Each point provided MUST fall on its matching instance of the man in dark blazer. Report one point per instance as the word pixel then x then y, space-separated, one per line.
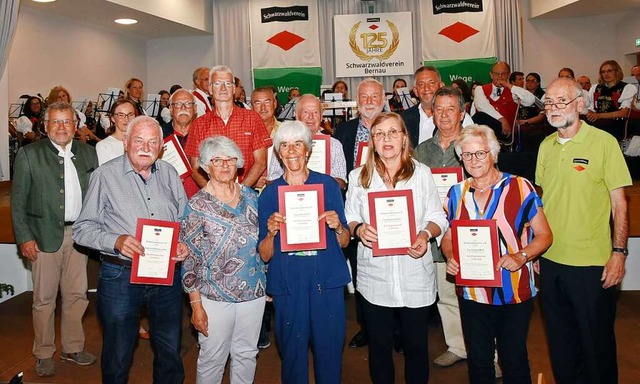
pixel 50 180
pixel 351 133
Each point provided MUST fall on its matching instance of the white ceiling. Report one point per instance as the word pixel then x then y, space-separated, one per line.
pixel 102 13
pixel 582 8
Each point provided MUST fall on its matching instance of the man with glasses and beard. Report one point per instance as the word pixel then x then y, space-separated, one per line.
pixel 583 175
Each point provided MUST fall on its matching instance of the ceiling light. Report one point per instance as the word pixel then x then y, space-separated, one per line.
pixel 44 1
pixel 126 21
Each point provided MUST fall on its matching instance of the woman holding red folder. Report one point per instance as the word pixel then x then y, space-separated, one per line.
pixel 497 314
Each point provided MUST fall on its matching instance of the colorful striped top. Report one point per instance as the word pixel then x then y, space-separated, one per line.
pixel 512 203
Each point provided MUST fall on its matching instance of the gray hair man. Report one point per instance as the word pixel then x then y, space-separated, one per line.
pixel 50 180
pixel 108 223
pixel 583 175
pixel 201 91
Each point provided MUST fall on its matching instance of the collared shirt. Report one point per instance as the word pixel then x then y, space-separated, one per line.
pixel 427 126
pixel 118 196
pixel 577 179
pixel 430 153
pixel 397 281
pixel 72 191
pixel 482 104
pixel 244 127
pixel 225 267
pixel 338 163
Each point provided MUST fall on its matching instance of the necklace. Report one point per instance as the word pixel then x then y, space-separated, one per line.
pixel 486 186
pixel 233 196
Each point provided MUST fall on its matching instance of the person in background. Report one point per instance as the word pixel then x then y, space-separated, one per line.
pixel 577 167
pixel 29 121
pixel 611 99
pixel 263 102
pixel 83 133
pixel 385 281
pixel 395 102
pixel 121 113
pixel 182 105
pixel 585 82
pixel 108 223
pixel 307 286
pixel 533 84
pixel 164 115
pixel 517 78
pixel 294 93
pixel 341 87
pixel 42 223
pixel 202 91
pixel 497 317
pixel 227 307
pixel 133 92
pixel 466 93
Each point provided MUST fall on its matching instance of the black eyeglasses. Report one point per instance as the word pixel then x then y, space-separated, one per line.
pixel 186 104
pixel 548 104
pixel 217 162
pixel 480 155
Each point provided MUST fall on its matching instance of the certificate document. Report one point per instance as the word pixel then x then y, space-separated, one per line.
pixel 391 214
pixel 363 151
pixel 475 248
pixel 160 240
pixel 445 178
pixel 173 154
pixel 301 205
pixel 320 159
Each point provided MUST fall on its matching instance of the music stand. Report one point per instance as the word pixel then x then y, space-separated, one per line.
pixel 152 105
pixel 106 100
pixel 15 109
pixel 405 98
pixel 289 110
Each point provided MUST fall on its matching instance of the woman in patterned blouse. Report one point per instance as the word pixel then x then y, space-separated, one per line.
pixel 223 274
pixel 501 314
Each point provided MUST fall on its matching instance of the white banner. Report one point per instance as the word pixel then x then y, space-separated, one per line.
pixel 284 35
pixel 454 29
pixel 373 44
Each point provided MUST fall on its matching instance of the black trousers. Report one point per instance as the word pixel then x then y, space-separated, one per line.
pixel 579 315
pixel 351 253
pixel 415 335
pixel 482 118
pixel 486 327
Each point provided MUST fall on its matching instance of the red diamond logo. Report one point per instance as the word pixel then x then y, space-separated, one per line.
pixel 373 27
pixel 458 32
pixel 579 168
pixel 285 40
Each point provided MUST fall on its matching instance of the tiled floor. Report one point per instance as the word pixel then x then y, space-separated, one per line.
pixel 16 337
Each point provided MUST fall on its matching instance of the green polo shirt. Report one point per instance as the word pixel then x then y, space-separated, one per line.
pixel 430 153
pixel 576 179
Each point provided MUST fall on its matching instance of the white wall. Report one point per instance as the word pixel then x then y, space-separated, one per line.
pixel 49 50
pixel 579 43
pixel 628 30
pixel 173 60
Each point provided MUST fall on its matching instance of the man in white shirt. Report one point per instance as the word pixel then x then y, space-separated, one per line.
pixel 497 103
pixel 419 118
pixel 201 90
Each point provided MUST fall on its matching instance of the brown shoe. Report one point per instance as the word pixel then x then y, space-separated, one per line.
pixel 80 358
pixel 447 359
pixel 45 367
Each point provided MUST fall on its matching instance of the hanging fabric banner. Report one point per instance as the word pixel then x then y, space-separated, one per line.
pixel 284 38
pixel 373 44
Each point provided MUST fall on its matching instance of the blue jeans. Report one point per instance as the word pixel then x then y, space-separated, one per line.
pixel 119 304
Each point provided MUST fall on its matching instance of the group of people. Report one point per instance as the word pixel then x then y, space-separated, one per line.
pixel 230 259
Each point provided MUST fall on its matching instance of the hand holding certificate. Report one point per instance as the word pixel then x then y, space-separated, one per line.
pixel 475 249
pixel 392 216
pixel 160 241
pixel 445 178
pixel 301 207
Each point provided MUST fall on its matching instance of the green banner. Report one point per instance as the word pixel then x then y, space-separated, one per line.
pixel 306 79
pixel 469 70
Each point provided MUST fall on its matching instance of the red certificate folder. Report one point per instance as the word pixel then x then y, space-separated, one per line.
pixel 361 158
pixel 178 159
pixel 457 172
pixel 167 232
pixel 302 200
pixel 403 201
pixel 326 139
pixel 476 241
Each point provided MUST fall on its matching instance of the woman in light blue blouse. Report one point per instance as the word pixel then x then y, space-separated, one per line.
pixel 223 274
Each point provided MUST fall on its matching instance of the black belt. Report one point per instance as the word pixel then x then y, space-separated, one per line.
pixel 116 260
pixel 68 223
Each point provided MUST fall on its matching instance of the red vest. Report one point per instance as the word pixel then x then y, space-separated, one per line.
pixel 505 104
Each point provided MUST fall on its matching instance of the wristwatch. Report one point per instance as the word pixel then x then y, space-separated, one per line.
pixel 526 257
pixel 624 251
pixel 339 230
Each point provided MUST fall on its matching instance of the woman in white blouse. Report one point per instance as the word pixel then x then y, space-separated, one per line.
pixel 403 283
pixel 121 112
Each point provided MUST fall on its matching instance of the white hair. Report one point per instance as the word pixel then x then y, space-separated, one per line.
pixel 482 132
pixel 218 146
pixel 146 120
pixel 293 131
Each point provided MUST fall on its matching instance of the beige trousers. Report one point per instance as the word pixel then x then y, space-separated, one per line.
pixel 449 312
pixel 67 269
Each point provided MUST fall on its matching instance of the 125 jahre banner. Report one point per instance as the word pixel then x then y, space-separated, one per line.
pixel 378 44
